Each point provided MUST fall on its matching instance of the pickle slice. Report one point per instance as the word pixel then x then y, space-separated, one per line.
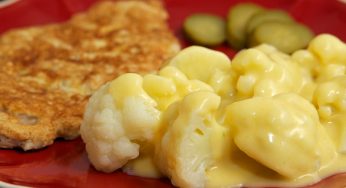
pixel 205 29
pixel 237 19
pixel 265 16
pixel 287 37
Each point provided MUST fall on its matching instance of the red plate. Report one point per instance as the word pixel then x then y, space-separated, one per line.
pixel 65 163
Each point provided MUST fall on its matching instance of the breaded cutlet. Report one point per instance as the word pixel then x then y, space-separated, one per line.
pixel 47 73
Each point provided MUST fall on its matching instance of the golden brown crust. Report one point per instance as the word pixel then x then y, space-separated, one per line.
pixel 47 73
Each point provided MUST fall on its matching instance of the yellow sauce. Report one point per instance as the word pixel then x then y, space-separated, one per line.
pixel 264 119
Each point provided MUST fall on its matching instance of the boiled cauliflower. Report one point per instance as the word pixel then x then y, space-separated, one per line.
pixel 116 120
pixel 204 121
pixel 328 49
pixel 330 101
pixel 208 66
pixel 272 129
pixel 264 71
pixel 186 148
pixel 324 58
pixel 123 116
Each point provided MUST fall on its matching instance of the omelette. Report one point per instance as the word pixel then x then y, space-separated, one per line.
pixel 47 73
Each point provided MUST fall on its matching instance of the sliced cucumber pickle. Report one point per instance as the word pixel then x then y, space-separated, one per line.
pixel 237 19
pixel 287 37
pixel 265 16
pixel 205 29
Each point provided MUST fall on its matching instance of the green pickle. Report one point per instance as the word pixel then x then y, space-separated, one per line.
pixel 287 37
pixel 237 19
pixel 205 29
pixel 265 16
pixel 248 25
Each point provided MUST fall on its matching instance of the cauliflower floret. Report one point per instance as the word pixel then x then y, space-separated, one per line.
pixel 122 118
pixel 171 85
pixel 106 142
pixel 272 129
pixel 330 97
pixel 330 101
pixel 308 61
pixel 324 59
pixel 200 117
pixel 209 66
pixel 138 109
pixel 332 55
pixel 117 118
pixel 264 71
pixel 328 49
pixel 329 71
pixel 187 146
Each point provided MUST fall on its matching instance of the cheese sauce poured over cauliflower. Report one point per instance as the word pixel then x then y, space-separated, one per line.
pixel 266 119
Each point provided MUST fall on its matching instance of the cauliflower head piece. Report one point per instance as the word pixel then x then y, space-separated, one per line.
pixel 186 147
pixel 201 116
pixel 272 129
pixel 123 116
pixel 109 143
pixel 328 49
pixel 330 102
pixel 209 66
pixel 324 58
pixel 265 71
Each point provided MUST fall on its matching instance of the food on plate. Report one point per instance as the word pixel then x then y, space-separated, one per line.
pixel 270 129
pixel 191 139
pixel 47 73
pixel 205 29
pixel 329 98
pixel 265 119
pixel 248 25
pixel 287 37
pixel 129 110
pixel 237 19
pixel 267 16
pixel 275 27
